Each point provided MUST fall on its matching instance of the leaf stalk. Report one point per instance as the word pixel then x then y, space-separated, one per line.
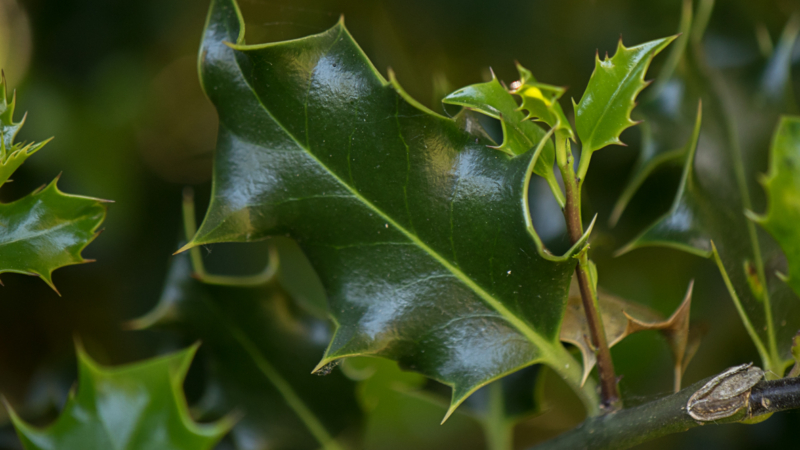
pixel 609 392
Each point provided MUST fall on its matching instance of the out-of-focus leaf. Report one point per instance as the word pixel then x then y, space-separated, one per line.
pixel 665 115
pixel 782 218
pixel 621 318
pixel 520 134
pixel 137 406
pixel 260 346
pixel 603 112
pixel 402 409
pixel 44 230
pixel 796 356
pixel 389 201
pixel 707 218
pixel 776 80
pixel 497 407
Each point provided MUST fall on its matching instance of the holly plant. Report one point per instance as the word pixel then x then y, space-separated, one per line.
pixel 419 227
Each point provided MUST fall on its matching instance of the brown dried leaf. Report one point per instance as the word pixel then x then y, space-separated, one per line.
pixel 622 318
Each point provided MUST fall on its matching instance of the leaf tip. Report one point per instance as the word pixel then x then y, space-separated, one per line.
pixel 186 247
pixel 449 412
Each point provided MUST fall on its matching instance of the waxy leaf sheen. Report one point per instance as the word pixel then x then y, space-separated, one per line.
pixel 415 226
pixel 604 111
pixel 46 229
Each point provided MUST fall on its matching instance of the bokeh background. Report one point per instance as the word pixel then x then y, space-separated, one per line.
pixel 115 82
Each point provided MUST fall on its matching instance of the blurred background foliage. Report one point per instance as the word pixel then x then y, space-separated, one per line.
pixel 116 84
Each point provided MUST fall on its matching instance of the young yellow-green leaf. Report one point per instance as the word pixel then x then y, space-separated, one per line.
pixel 604 111
pixel 133 407
pixel 541 102
pixel 417 231
pixel 520 135
pixel 782 219
pixel 46 229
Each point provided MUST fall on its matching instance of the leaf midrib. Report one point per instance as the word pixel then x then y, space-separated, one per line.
pixel 534 337
pixel 34 235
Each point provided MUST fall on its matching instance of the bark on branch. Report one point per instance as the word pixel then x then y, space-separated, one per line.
pixel 632 426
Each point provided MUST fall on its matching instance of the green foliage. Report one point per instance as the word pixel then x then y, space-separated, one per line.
pixel 259 346
pixel 603 112
pixel 665 116
pixel 708 215
pixel 541 102
pixel 137 406
pixel 520 134
pixel 783 189
pixel 46 229
pixel 389 202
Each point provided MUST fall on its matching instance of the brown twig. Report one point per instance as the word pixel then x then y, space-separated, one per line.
pixel 572 213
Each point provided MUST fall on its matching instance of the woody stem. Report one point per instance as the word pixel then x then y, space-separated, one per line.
pixel 572 213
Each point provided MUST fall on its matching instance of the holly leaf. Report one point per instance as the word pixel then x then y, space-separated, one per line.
pixel 604 111
pixel 136 406
pixel 783 192
pixel 621 318
pixel 47 229
pixel 541 102
pixel 520 134
pixel 389 201
pixel 707 219
pixel 259 348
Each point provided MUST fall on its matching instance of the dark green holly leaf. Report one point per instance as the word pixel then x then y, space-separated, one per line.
pixel 47 229
pixel 783 191
pixel 260 346
pixel 137 406
pixel 520 134
pixel 604 111
pixel 416 227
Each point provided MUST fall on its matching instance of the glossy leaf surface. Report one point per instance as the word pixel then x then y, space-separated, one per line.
pixel 47 230
pixel 415 226
pixel 134 407
pixel 259 347
pixel 520 134
pixel 44 230
pixel 783 191
pixel 604 111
